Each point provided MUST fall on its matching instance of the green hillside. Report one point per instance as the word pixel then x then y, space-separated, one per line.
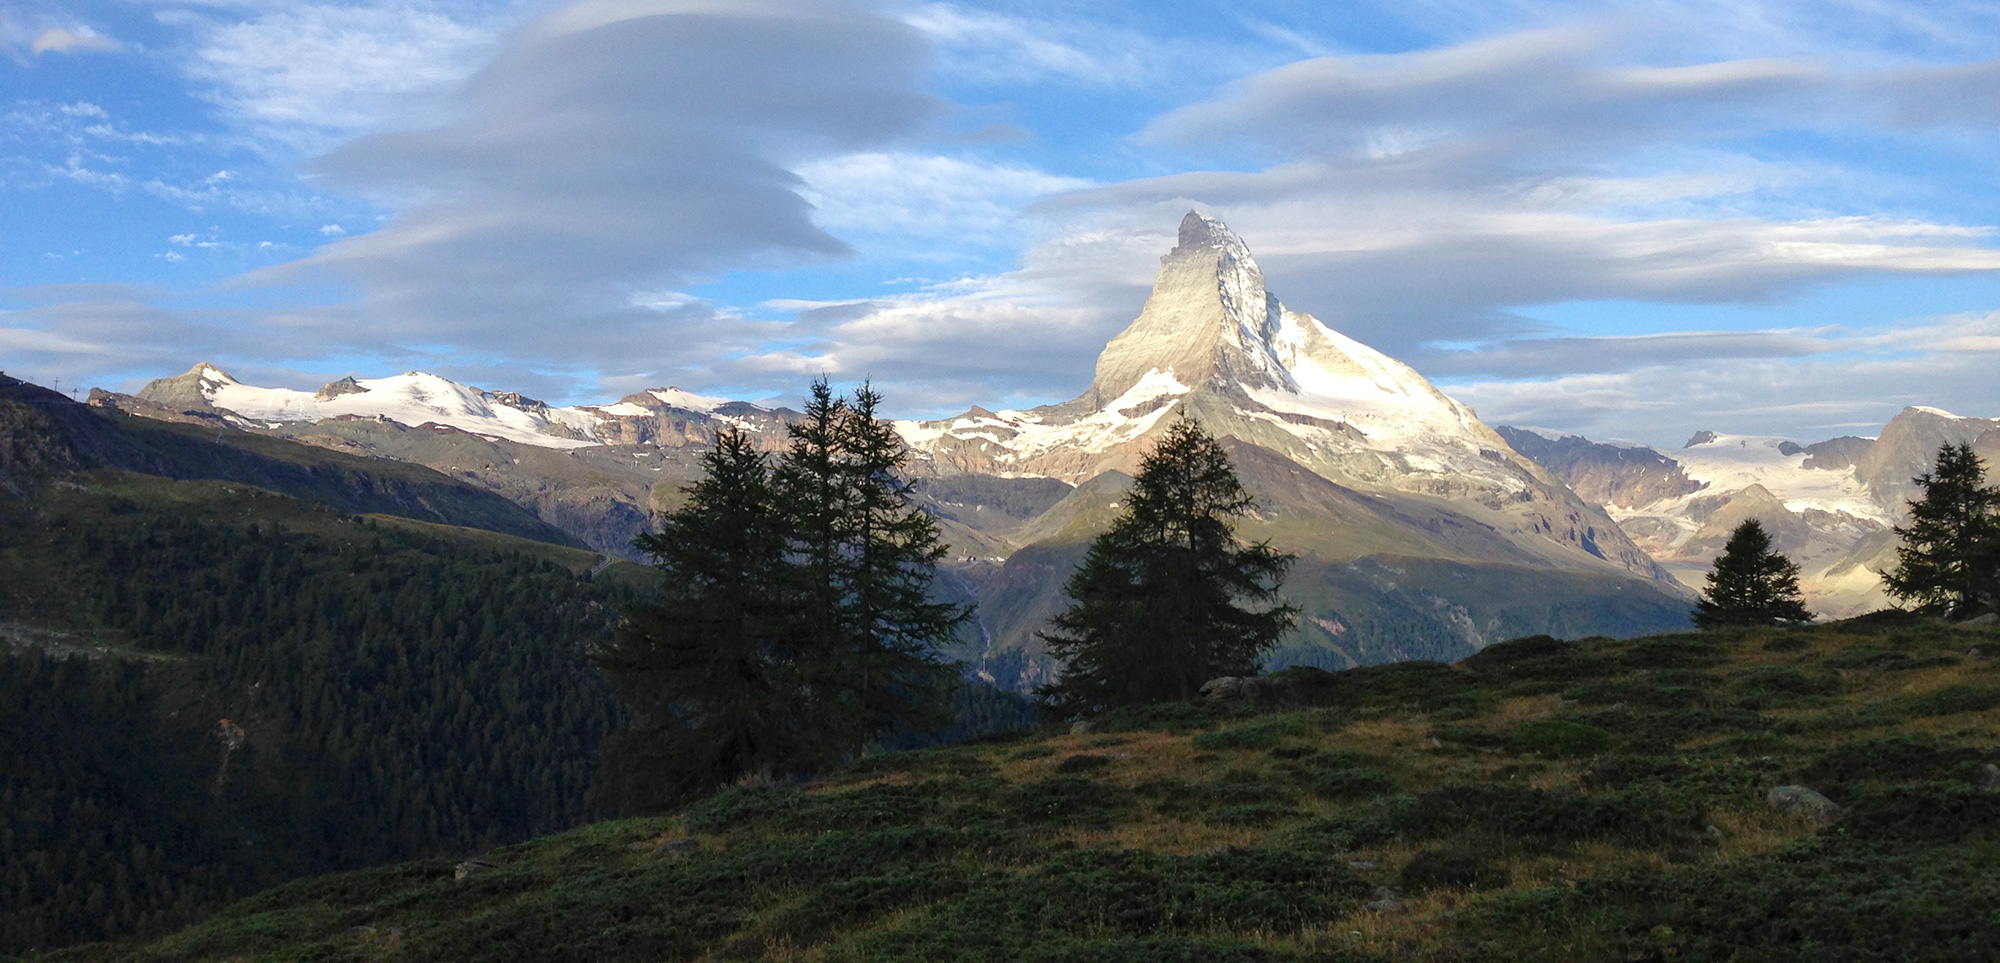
pixel 1542 800
pixel 395 689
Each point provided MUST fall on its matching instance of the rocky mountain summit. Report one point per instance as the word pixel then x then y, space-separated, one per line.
pixel 1421 533
pixel 1213 343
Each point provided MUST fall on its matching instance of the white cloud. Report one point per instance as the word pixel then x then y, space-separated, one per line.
pixel 332 230
pixel 73 40
pixel 302 76
pixel 613 149
pixel 925 201
pixel 997 48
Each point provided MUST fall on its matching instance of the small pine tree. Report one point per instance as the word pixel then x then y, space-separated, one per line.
pixel 1750 584
pixel 709 670
pixel 1156 606
pixel 1949 561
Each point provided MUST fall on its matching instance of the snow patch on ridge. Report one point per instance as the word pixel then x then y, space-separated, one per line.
pixel 413 398
pixel 1727 464
pixel 1025 435
pixel 416 398
pixel 676 398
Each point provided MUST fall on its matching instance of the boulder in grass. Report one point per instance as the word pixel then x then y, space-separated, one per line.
pixel 471 868
pixel 677 846
pixel 1804 802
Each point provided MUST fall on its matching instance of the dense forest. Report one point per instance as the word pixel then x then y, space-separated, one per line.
pixel 209 688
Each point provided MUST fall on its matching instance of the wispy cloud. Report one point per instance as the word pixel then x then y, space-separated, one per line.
pixel 299 77
pixel 73 40
pixel 1851 380
pixel 915 202
pixel 987 46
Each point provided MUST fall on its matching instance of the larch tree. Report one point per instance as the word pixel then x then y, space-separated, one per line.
pixel 710 671
pixel 894 627
pixel 1949 561
pixel 1751 585
pixel 1168 597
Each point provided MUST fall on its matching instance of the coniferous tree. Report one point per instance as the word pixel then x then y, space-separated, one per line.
pixel 811 490
pixel 1157 606
pixel 1750 584
pixel 894 676
pixel 796 622
pixel 1949 562
pixel 711 670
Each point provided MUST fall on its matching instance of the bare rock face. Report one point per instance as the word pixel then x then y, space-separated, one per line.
pixel 1909 444
pixel 1610 475
pixel 187 391
pixel 345 386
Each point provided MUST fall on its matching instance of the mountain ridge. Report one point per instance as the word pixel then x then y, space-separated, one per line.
pixel 1352 454
pixel 1830 505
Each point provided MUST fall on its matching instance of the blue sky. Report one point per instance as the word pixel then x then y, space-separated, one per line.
pixel 1631 220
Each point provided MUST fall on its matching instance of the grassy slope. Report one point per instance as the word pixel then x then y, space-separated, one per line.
pixel 1543 800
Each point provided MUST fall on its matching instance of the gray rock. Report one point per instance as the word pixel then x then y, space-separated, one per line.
pixel 1804 802
pixel 1386 901
pixel 1079 727
pixel 471 868
pixel 1229 688
pixel 1991 773
pixel 674 847
pixel 1713 834
pixel 1982 621
pixel 1276 692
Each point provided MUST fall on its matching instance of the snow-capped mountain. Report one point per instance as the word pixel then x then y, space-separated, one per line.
pixel 1829 505
pixel 1420 532
pixel 416 399
pixel 1213 342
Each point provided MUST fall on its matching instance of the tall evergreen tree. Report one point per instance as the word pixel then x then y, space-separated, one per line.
pixel 812 494
pixel 1750 584
pixel 895 677
pixel 710 670
pixel 795 623
pixel 1949 562
pixel 1158 605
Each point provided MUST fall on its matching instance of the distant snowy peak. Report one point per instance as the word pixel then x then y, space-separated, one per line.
pixel 413 398
pixel 1828 505
pixel 1213 336
pixel 416 398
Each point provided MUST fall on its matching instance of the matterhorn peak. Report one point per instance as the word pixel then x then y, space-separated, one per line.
pixel 1199 232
